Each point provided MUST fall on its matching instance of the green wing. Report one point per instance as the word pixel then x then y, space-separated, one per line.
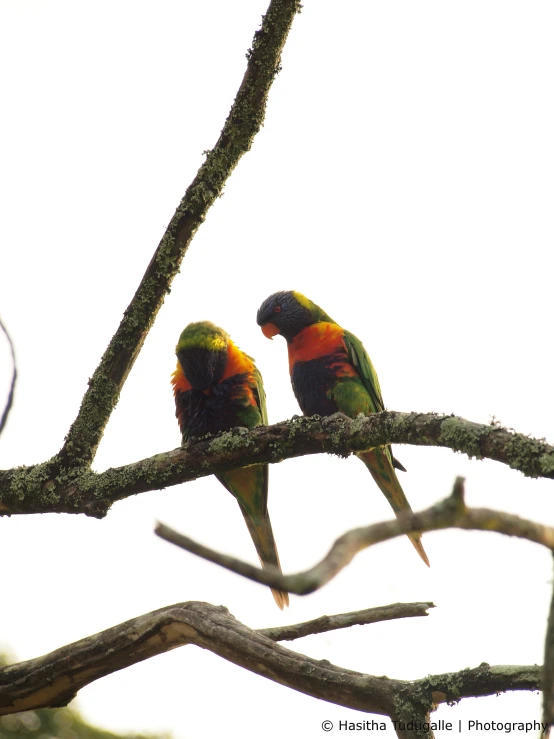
pixel 361 361
pixel 260 393
pixel 249 485
pixel 252 416
pixel 247 414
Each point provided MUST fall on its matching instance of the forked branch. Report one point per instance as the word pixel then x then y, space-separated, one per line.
pixel 54 679
pixel 244 121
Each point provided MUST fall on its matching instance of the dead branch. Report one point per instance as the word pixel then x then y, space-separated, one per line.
pixel 54 679
pixel 345 620
pixel 449 513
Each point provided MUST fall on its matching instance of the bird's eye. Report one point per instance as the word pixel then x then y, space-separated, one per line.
pixel 277 309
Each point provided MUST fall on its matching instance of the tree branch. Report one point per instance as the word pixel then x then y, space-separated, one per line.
pixel 9 401
pixel 548 670
pixel 477 682
pixel 244 121
pixel 412 719
pixel 449 513
pixel 47 488
pixel 345 620
pixel 54 679
pixel 66 484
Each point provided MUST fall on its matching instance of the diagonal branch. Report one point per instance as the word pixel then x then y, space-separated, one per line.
pixel 244 121
pixel 449 513
pixel 9 402
pixel 45 488
pixel 54 679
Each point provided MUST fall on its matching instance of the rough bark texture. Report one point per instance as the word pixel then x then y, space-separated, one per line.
pixel 67 484
pixel 54 679
pixel 50 488
pixel 345 620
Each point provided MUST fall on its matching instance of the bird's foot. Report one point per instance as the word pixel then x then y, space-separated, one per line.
pixel 338 416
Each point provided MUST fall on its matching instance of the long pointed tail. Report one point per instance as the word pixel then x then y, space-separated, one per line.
pixel 378 463
pixel 247 485
pixel 262 536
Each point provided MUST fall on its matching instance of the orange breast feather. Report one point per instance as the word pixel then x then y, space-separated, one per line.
pixel 319 340
pixel 238 363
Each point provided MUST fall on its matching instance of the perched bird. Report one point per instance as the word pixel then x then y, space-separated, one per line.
pixel 331 372
pixel 218 387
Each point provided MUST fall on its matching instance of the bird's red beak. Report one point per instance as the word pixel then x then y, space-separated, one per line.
pixel 270 330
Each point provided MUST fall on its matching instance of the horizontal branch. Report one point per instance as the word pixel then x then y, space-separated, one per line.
pixel 449 513
pixel 478 682
pixel 45 488
pixel 54 679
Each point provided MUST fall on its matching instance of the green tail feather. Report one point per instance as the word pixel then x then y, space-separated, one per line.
pixel 262 536
pixel 378 463
pixel 249 486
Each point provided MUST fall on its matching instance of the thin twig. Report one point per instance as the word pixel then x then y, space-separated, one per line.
pixel 9 401
pixel 345 620
pixel 449 513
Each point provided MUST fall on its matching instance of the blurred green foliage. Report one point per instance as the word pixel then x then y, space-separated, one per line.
pixel 56 723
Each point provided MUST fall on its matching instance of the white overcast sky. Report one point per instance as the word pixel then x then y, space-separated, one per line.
pixel 403 180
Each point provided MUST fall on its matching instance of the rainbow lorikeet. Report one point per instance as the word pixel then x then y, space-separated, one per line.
pixel 331 372
pixel 218 387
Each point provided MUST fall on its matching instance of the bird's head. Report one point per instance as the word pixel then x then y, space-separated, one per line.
pixel 202 353
pixel 287 313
